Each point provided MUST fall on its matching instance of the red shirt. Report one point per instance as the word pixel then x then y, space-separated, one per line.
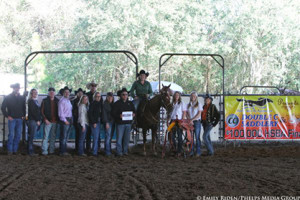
pixel 204 112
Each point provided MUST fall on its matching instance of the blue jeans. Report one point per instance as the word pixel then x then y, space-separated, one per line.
pixel 32 128
pixel 123 138
pixel 177 131
pixel 108 135
pixel 206 138
pixel 64 135
pixel 82 135
pixel 14 134
pixel 136 103
pixel 96 135
pixel 49 129
pixel 196 134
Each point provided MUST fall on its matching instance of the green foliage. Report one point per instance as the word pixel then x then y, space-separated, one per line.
pixel 259 40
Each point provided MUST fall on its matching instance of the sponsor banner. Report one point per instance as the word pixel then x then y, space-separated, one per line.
pixel 262 117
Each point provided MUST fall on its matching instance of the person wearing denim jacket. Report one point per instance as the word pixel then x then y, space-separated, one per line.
pixel 83 122
pixel 94 115
pixel 34 119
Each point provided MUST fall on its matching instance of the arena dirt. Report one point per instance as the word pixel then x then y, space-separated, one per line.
pixel 247 170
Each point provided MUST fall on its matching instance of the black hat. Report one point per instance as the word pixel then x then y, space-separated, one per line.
pixel 143 72
pixel 79 90
pixel 16 85
pixel 207 96
pixel 110 94
pixel 61 91
pixel 51 89
pixel 121 91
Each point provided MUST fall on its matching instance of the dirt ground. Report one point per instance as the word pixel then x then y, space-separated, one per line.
pixel 259 169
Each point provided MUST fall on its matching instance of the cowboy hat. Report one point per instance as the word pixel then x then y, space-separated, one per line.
pixel 143 72
pixel 88 86
pixel 61 91
pixel 121 91
pixel 79 90
pixel 207 96
pixel 16 85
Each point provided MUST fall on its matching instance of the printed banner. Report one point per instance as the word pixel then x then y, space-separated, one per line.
pixel 262 117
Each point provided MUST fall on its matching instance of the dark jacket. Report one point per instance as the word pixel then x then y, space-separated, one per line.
pixel 46 108
pixel 106 113
pixel 212 115
pixel 95 112
pixel 34 111
pixel 90 96
pixel 75 109
pixel 119 107
pixel 13 106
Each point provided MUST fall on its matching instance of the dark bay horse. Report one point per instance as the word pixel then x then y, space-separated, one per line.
pixel 149 117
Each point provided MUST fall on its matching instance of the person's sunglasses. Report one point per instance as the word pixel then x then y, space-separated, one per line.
pixel 125 94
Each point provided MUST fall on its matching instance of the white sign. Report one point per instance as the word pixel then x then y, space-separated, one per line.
pixel 127 115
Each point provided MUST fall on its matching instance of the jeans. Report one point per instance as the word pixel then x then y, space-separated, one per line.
pixel 123 138
pixel 49 129
pixel 136 103
pixel 206 138
pixel 88 139
pixel 14 134
pixel 96 135
pixel 177 131
pixel 82 135
pixel 196 134
pixel 64 135
pixel 32 128
pixel 77 128
pixel 108 135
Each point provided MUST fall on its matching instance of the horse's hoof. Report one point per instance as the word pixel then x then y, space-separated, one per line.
pixel 145 153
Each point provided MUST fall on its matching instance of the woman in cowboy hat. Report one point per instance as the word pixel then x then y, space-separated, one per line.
pixel 78 94
pixel 121 108
pixel 210 118
pixel 140 89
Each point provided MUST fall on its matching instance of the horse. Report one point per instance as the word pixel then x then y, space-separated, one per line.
pixel 148 115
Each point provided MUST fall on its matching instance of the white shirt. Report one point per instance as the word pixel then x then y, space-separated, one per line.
pixel 178 110
pixel 83 115
pixel 192 111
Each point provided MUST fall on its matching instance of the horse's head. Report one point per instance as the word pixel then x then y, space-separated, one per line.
pixel 166 93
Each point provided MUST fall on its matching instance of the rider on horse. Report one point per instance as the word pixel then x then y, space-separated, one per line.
pixel 141 90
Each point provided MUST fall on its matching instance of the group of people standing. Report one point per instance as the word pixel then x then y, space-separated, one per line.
pixel 87 112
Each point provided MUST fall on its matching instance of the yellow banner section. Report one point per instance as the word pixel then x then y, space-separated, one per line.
pixel 262 117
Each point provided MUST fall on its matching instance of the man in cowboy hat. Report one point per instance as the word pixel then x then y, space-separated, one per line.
pixel 120 110
pixel 13 107
pixel 75 101
pixel 141 89
pixel 49 110
pixel 92 87
pixel 65 116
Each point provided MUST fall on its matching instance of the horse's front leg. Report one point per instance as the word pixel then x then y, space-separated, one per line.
pixel 153 130
pixel 144 140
